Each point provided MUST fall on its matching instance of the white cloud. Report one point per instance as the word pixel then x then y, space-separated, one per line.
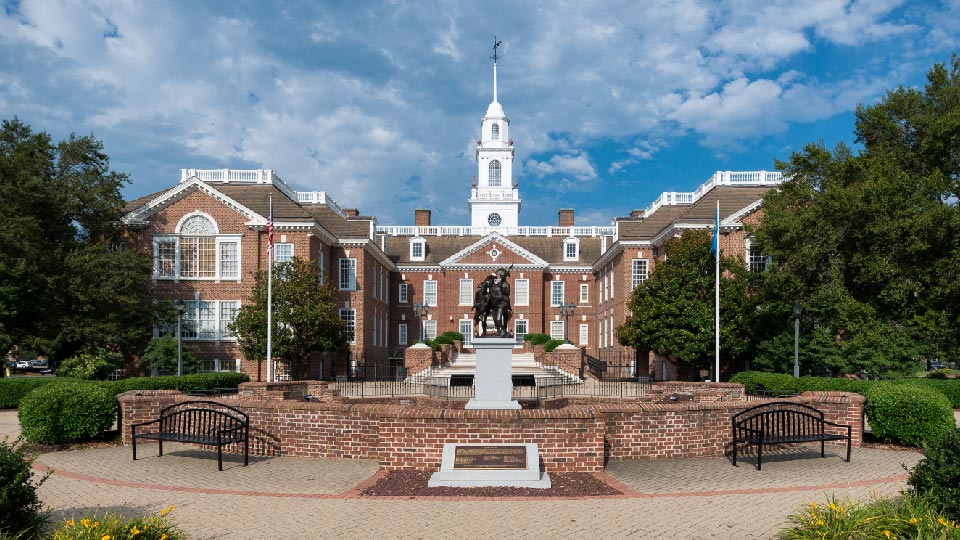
pixel 578 165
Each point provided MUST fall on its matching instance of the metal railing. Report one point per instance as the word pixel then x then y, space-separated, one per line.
pixel 523 389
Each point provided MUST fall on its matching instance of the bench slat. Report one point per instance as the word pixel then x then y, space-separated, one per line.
pixel 783 423
pixel 207 423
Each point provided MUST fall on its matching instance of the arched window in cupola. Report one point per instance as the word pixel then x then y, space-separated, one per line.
pixel 495 131
pixel 493 178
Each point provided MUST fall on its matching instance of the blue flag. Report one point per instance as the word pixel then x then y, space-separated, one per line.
pixel 715 246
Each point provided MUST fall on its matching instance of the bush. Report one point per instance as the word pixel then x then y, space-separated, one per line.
pixel 909 517
pixel 537 339
pixel 67 412
pixel 949 388
pixel 20 507
pixel 187 383
pixel 161 354
pixel 91 366
pixel 908 413
pixel 552 344
pixel 449 337
pixel 116 527
pixel 13 389
pixel 937 476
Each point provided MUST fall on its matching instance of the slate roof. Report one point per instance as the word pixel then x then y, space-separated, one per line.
pixel 732 200
pixel 439 248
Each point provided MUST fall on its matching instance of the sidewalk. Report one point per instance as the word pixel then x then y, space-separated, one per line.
pixel 313 498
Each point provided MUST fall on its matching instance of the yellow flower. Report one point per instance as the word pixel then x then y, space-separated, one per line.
pixel 886 533
pixel 134 531
pixel 833 507
pixel 85 522
pixel 105 537
pixel 71 523
pixel 95 525
pixel 813 505
pixel 165 511
pixel 163 536
pixel 913 521
pixel 941 521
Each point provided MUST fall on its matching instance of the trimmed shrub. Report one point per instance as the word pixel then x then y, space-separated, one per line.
pixel 22 511
pixel 161 354
pixel 13 389
pixel 537 339
pixel 67 412
pixel 449 337
pixel 949 388
pixel 187 383
pixel 114 526
pixel 908 413
pixel 937 476
pixel 552 344
pixel 91 366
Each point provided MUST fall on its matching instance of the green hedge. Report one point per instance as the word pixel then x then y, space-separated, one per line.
pixel 549 346
pixel 937 476
pixel 537 339
pixel 13 389
pixel 784 385
pixel 67 412
pixel 908 413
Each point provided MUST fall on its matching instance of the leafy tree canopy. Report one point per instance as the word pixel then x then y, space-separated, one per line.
pixel 304 317
pixel 66 283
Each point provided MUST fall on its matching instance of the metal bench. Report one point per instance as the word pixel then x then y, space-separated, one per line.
pixel 784 422
pixel 206 423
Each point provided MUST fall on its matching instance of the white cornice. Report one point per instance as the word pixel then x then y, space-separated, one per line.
pixel 736 218
pixel 140 215
pixel 371 247
pixel 535 261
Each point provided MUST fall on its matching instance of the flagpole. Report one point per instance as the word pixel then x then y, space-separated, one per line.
pixel 716 235
pixel 270 293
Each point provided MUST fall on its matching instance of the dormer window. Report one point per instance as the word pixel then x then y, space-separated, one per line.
pixel 495 132
pixel 493 179
pixel 571 249
pixel 418 249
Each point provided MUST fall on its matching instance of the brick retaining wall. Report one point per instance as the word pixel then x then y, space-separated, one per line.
pixel 574 437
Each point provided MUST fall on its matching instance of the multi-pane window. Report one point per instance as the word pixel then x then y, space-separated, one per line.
pixel 612 281
pixel 402 293
pixel 466 328
pixel 402 338
pixel 166 259
pixel 430 329
pixel 348 274
pixel 757 261
pixel 495 131
pixel 282 253
pixel 584 333
pixel 520 329
pixel 571 249
pixel 494 174
pixel 228 312
pixel 466 292
pixel 198 257
pixel 349 318
pixel 199 252
pixel 521 288
pixel 430 292
pixel 556 329
pixel 229 260
pixel 556 293
pixel 418 249
pixel 320 266
pixel 638 272
pixel 584 293
pixel 205 320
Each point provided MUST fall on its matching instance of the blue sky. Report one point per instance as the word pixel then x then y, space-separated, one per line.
pixel 379 103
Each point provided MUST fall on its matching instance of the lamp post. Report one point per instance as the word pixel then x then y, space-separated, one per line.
pixel 421 310
pixel 181 307
pixel 797 310
pixel 566 309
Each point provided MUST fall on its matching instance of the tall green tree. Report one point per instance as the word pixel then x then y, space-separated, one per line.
pixel 870 242
pixel 672 313
pixel 66 283
pixel 304 317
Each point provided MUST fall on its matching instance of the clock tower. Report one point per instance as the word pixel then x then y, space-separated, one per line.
pixel 494 197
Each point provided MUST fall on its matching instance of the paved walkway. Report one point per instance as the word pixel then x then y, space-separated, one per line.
pixel 313 498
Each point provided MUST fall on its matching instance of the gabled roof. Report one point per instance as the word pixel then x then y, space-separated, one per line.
pixel 139 214
pixel 493 250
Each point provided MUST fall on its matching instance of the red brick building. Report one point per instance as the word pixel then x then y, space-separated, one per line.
pixel 207 236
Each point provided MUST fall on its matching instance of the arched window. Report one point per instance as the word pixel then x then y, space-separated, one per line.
pixel 493 179
pixel 198 225
pixel 495 132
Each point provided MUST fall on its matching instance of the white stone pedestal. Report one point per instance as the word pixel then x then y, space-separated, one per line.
pixel 494 381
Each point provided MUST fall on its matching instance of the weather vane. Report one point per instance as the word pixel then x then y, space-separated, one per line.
pixel 495 45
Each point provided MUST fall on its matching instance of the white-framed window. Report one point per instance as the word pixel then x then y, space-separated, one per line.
pixel 638 272
pixel 466 328
pixel 756 261
pixel 402 338
pixel 349 318
pixel 320 266
pixel 430 292
pixel 521 289
pixel 520 329
pixel 603 333
pixel 493 178
pixel 613 274
pixel 584 293
pixel 466 292
pixel 606 286
pixel 197 251
pixel 571 249
pixel 348 274
pixel 198 257
pixel 229 259
pixel 282 253
pixel 495 131
pixel 610 332
pixel 402 293
pixel 430 329
pixel 165 257
pixel 204 320
pixel 418 249
pixel 556 329
pixel 556 293
pixel 584 333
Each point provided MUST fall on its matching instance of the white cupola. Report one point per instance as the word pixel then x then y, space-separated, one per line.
pixel 494 198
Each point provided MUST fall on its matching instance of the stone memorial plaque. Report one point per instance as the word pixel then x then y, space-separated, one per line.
pixel 499 458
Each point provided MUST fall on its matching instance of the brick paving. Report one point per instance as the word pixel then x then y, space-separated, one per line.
pixel 312 498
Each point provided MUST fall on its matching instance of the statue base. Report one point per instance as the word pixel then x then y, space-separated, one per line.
pixel 494 378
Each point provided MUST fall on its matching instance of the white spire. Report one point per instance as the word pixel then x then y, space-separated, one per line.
pixel 494 81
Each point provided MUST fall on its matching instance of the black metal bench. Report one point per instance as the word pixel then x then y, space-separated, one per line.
pixel 206 423
pixel 784 422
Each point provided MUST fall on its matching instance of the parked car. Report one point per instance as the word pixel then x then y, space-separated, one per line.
pixel 936 364
pixel 22 364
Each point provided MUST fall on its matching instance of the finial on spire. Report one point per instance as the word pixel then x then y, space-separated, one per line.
pixel 496 44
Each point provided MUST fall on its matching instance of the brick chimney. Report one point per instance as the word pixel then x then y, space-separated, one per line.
pixel 421 217
pixel 351 212
pixel 636 213
pixel 565 217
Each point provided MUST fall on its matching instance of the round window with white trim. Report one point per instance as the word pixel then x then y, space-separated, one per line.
pixel 494 219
